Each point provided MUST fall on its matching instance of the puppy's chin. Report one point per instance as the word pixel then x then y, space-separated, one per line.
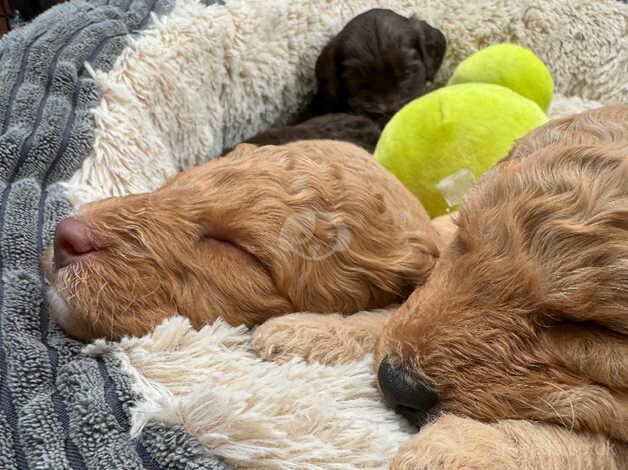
pixel 62 313
pixel 60 310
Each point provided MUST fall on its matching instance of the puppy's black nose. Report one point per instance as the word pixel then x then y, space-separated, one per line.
pixel 409 396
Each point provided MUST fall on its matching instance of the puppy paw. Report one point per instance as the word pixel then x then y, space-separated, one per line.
pixel 322 338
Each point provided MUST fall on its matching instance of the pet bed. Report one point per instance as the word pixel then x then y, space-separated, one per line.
pixel 105 98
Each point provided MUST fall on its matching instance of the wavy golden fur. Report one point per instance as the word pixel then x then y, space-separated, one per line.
pixel 312 225
pixel 526 313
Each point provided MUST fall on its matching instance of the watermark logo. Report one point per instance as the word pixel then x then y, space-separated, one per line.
pixel 559 449
pixel 314 235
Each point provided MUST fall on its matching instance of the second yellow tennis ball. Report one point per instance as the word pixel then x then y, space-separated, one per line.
pixel 509 65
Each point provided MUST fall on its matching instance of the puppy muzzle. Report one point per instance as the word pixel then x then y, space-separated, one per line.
pixel 407 394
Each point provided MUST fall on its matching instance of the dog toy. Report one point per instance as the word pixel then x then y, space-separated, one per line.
pixel 509 65
pixel 440 143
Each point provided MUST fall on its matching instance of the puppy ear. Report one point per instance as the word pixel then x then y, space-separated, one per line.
pixel 327 98
pixel 431 44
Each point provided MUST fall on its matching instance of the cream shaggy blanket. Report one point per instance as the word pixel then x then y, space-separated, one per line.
pixel 294 415
pixel 205 77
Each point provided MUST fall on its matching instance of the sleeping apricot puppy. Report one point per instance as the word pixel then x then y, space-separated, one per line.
pixel 526 313
pixel 312 225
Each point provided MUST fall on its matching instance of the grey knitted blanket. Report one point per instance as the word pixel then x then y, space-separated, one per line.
pixel 60 409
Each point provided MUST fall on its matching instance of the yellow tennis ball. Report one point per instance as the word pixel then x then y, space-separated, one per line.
pixel 440 143
pixel 509 65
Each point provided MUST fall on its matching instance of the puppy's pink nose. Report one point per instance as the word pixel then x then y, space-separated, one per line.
pixel 73 239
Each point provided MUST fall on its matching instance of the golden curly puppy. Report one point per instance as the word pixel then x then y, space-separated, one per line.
pixel 525 315
pixel 312 225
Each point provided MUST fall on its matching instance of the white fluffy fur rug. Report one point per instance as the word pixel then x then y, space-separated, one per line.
pixel 279 416
pixel 206 77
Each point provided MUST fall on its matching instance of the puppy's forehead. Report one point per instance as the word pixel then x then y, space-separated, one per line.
pixel 383 37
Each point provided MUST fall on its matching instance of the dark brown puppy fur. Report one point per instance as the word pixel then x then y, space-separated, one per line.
pixel 526 313
pixel 358 130
pixel 309 226
pixel 379 62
